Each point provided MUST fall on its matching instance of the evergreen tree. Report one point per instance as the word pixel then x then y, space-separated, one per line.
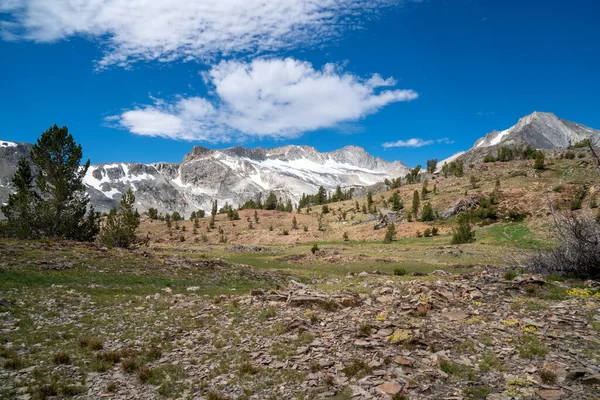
pixel 321 196
pixel 369 200
pixel 539 163
pixel 424 190
pixel 152 213
pixel 427 213
pixel 119 230
pixel 213 211
pixel 415 203
pixel 390 233
pixel 271 202
pixel 432 165
pixel 20 209
pixel 397 204
pixel 463 233
pixel 294 223
pixel 61 208
pixel 288 206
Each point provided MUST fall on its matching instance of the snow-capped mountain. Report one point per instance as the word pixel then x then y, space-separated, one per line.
pixel 540 130
pixel 232 175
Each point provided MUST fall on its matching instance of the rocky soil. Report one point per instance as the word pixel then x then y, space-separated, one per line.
pixel 483 335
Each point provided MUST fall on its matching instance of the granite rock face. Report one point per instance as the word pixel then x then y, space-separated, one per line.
pixel 232 175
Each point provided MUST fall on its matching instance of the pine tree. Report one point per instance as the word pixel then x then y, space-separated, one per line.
pixel 415 204
pixel 432 165
pixel 390 233
pixel 464 232
pixel 427 213
pixel 369 200
pixel 61 204
pixel 294 223
pixel 397 204
pixel 424 190
pixel 321 196
pixel 271 202
pixel 20 209
pixel 539 163
pixel 119 230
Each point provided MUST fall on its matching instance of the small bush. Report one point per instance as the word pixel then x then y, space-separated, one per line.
pixel 61 358
pixel 130 364
pixel 285 232
pixel 399 271
pixel 357 368
pixel 267 314
pixel 548 377
pixel 427 232
pixel 578 254
pixel 90 343
pixel 463 233
pixel 315 248
pixel 389 234
pixel 434 231
pixel 346 237
pixel 530 346
pixel 510 274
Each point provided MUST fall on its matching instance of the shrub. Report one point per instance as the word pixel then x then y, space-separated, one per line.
pixel 399 271
pixel 539 161
pixel 285 232
pixel 463 233
pixel 61 358
pixel 346 237
pixel 578 254
pixel 305 228
pixel 389 234
pixel 119 230
pixel 577 200
pixel 315 248
pixel 427 232
pixel 434 231
pixel 427 213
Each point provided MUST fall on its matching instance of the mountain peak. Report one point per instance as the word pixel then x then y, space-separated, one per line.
pixel 541 130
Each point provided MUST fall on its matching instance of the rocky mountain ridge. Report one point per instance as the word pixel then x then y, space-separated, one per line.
pixel 232 175
pixel 540 130
pixel 238 174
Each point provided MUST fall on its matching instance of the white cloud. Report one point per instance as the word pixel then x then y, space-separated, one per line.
pixel 132 30
pixel 278 98
pixel 415 142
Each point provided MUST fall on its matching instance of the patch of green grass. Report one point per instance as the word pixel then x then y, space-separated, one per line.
pixel 357 368
pixel 480 392
pixel 529 346
pixel 489 362
pixel 514 234
pixel 457 370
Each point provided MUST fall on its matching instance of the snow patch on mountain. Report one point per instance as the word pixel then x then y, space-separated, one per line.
pixel 4 143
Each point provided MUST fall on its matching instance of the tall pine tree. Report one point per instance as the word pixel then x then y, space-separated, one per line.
pixel 21 207
pixel 63 208
pixel 58 208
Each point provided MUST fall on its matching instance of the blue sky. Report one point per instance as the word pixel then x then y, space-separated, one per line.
pixel 356 72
